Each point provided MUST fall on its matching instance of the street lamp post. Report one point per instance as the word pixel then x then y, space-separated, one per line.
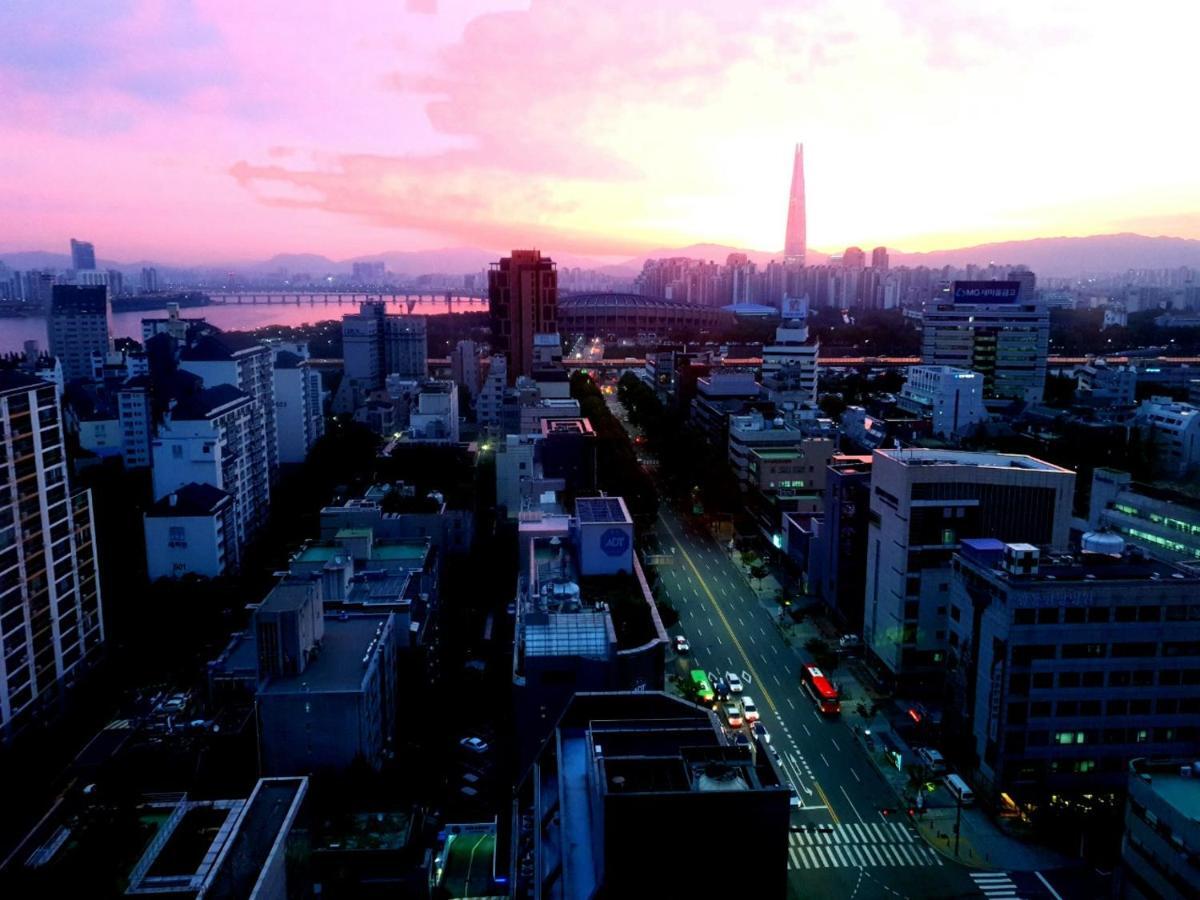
pixel 957 825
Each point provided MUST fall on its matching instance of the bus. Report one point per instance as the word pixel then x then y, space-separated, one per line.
pixel 821 689
pixel 703 689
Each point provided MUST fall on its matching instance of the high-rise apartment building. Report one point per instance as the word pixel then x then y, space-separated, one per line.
pixel 879 259
pixel 795 241
pixel 83 255
pixel 854 258
pixel 987 326
pixel 376 344
pixel 218 438
pixel 51 625
pixel 464 366
pixel 523 301
pixel 299 405
pixel 148 283
pixel 248 365
pixel 77 327
pixel 923 504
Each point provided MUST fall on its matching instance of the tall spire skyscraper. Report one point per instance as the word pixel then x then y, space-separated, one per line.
pixel 795 241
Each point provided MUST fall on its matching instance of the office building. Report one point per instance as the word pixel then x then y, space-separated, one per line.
pixel 952 399
pixel 795 240
pixel 522 302
pixel 464 367
pixel 1163 523
pixel 77 327
pixel 376 344
pixel 755 439
pixel 1028 284
pixel 299 406
pixel 986 326
pixel 1162 830
pixel 397 512
pixel 434 415
pixel 217 437
pixel 489 405
pixel 83 256
pixel 923 503
pixel 839 545
pixel 247 364
pixel 51 624
pixel 1172 430
pixel 1067 666
pixel 722 394
pixel 585 617
pixel 615 801
pixel 1101 385
pixel 327 691
pixel 191 531
pixel 789 363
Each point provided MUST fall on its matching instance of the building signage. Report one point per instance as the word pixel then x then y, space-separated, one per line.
pixel 986 291
pixel 614 542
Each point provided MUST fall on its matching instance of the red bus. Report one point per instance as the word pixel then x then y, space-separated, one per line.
pixel 821 689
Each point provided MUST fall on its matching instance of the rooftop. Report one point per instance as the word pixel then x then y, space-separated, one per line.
pixel 349 643
pixel 590 510
pixel 1182 793
pixel 208 403
pixel 929 457
pixel 192 499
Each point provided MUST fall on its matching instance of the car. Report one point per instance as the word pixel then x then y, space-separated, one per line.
pixel 733 715
pixel 682 647
pixel 722 689
pixel 932 760
pixel 740 739
pixel 760 732
pixel 474 744
pixel 849 643
pixel 749 710
pixel 793 798
pixel 735 683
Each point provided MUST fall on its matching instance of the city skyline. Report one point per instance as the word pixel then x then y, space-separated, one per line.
pixel 222 127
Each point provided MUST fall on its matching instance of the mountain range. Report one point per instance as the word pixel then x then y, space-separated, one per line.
pixel 1064 257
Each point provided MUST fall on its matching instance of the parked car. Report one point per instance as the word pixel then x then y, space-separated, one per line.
pixel 932 760
pixel 735 683
pixel 682 647
pixel 749 709
pixel 760 732
pixel 474 744
pixel 740 739
pixel 849 643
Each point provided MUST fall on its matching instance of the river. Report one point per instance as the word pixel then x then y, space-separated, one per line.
pixel 234 317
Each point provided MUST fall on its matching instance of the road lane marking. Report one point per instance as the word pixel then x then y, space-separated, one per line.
pixel 806 731
pixel 821 793
pixel 1042 879
pixel 856 778
pixel 777 681
pixel 851 802
pixel 835 744
pixel 792 705
pixel 823 759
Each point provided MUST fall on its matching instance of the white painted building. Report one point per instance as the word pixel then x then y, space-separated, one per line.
pixel 191 531
pixel 217 438
pixel 952 398
pixel 1173 430
pixel 245 363
pixel 434 415
pixel 299 405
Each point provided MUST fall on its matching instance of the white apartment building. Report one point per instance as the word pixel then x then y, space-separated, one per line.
pixel 952 398
pixel 299 406
pixel 1174 432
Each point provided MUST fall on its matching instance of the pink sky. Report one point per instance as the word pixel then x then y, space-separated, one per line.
pixel 213 130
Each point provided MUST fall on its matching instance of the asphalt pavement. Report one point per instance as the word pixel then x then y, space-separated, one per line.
pixel 862 852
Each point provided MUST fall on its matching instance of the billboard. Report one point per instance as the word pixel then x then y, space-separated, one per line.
pixel 986 291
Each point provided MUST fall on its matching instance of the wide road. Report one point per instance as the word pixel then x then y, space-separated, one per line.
pixel 867 854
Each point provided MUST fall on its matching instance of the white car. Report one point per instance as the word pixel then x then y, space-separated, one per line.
pixel 474 744
pixel 760 732
pixel 735 683
pixel 749 710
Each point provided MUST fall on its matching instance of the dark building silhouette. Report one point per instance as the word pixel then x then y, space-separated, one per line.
pixel 83 255
pixel 78 327
pixel 523 301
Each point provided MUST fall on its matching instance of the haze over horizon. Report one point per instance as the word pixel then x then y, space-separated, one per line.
pixel 184 134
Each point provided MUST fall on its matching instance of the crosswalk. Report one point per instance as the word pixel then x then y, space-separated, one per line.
pixel 995 885
pixel 852 845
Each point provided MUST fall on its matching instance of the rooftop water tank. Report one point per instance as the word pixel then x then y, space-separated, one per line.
pixel 1104 543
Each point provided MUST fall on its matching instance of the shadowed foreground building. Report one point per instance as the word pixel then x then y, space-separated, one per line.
pixel 51 625
pixel 624 799
pixel 522 302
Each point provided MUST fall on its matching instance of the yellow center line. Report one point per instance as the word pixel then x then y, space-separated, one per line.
pixel 733 636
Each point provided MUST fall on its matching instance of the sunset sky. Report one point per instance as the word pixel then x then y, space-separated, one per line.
pixel 191 132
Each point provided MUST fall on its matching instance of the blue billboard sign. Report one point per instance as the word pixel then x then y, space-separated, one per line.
pixel 986 291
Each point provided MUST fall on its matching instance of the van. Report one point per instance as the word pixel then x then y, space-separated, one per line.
pixel 932 760
pixel 960 789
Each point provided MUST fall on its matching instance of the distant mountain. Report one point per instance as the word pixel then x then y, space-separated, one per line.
pixel 1068 257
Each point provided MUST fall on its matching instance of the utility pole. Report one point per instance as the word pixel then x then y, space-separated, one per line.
pixel 957 826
